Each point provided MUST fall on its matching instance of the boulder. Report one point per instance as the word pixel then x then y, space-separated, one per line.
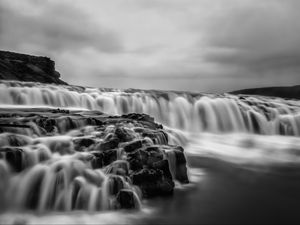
pixel 115 184
pixel 123 134
pixel 152 182
pixel 132 146
pixel 14 157
pixel 126 199
pixel 177 163
pixel 97 160
pixel 109 156
pixel 108 144
pixel 80 144
pixel 119 167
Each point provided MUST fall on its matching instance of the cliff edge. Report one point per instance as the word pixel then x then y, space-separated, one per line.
pixel 292 92
pixel 21 67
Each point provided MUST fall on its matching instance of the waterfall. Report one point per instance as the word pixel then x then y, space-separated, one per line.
pixel 49 162
pixel 190 112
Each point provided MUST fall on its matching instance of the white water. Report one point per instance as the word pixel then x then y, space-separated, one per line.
pixel 253 132
pixel 212 113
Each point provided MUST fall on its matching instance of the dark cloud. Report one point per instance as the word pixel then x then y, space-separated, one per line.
pixel 259 38
pixel 54 27
pixel 168 44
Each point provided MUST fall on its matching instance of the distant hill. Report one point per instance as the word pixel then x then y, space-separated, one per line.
pixel 283 92
pixel 21 67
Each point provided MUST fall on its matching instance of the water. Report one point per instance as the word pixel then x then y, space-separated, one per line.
pixel 224 134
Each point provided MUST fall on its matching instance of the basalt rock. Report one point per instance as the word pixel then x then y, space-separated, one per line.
pixel 132 146
pixel 126 199
pixel 21 67
pixel 153 182
pixel 129 150
pixel 13 156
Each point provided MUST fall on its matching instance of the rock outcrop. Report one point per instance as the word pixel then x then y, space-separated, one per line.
pixel 292 92
pixel 76 147
pixel 21 67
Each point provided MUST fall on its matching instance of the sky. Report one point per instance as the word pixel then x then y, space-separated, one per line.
pixel 189 45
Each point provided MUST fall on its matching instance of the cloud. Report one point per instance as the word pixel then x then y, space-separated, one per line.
pixel 53 26
pixel 259 38
pixel 172 44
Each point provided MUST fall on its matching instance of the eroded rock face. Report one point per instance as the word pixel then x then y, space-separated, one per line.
pixel 120 154
pixel 21 67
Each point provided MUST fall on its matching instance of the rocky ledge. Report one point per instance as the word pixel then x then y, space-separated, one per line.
pixel 131 151
pixel 21 67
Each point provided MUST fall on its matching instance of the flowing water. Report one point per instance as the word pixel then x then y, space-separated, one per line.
pixel 247 133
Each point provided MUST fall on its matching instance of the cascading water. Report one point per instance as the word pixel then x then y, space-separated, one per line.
pixel 197 113
pixel 45 170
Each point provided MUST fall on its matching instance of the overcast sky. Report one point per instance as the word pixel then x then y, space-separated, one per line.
pixel 197 45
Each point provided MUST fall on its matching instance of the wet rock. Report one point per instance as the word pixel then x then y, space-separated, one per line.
pixel 109 156
pixel 135 160
pixel 109 144
pixel 81 144
pixel 126 199
pixel 152 182
pixel 97 160
pixel 124 135
pixel 177 162
pixel 157 136
pixel 14 157
pixel 132 146
pixel 115 184
pixel 163 165
pixel 119 167
pixel 154 155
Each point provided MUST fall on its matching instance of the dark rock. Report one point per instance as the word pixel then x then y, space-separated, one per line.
pixel 132 146
pixel 119 167
pixel 17 140
pixel 97 160
pixel 146 175
pixel 15 66
pixel 126 199
pixel 82 143
pixel 109 144
pixel 163 165
pixel 154 155
pixel 109 156
pixel 123 134
pixel 152 182
pixel 115 184
pixel 157 136
pixel 135 160
pixel 177 160
pixel 14 157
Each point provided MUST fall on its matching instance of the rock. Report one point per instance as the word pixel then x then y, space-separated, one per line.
pixel 163 165
pixel 135 160
pixel 15 66
pixel 14 157
pixel 130 150
pixel 119 167
pixel 177 162
pixel 152 182
pixel 114 184
pixel 132 146
pixel 109 144
pixel 109 156
pixel 157 136
pixel 154 155
pixel 97 160
pixel 126 199
pixel 124 135
pixel 81 144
